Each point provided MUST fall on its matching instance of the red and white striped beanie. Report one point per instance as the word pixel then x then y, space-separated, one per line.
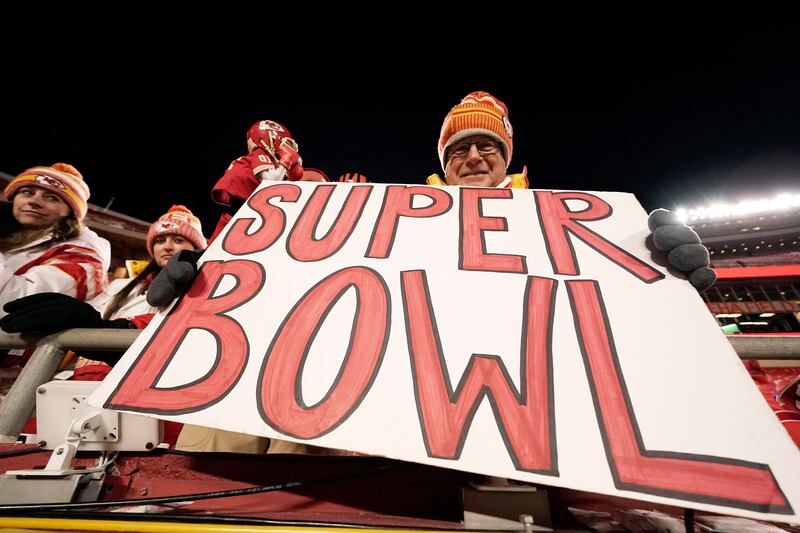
pixel 177 221
pixel 61 179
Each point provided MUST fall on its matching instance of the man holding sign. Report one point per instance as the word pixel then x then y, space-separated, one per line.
pixel 476 144
pixel 475 148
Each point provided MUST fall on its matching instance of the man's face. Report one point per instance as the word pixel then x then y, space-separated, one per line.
pixel 476 161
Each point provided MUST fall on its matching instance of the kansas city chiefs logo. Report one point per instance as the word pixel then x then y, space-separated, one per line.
pixel 269 125
pixel 50 181
pixel 165 225
pixel 507 126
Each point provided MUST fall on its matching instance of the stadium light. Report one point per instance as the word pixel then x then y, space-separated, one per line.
pixel 719 210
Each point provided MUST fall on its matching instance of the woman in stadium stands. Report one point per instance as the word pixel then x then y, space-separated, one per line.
pixel 44 246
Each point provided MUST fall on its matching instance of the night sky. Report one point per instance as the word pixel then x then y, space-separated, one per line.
pixel 152 117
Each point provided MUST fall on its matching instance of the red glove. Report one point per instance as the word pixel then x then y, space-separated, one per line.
pixel 289 158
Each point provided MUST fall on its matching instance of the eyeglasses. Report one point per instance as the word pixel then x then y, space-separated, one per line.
pixel 485 147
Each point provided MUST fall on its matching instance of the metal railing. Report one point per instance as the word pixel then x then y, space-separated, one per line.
pixel 49 352
pixel 766 347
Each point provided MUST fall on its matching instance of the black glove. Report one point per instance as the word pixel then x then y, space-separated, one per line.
pixel 49 312
pixel 683 248
pixel 173 278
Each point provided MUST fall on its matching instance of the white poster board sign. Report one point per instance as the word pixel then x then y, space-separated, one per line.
pixel 516 333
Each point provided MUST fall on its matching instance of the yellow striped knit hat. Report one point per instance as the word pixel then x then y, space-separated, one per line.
pixel 61 179
pixel 479 113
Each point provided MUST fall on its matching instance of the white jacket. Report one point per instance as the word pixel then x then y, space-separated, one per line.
pixel 135 304
pixel 76 267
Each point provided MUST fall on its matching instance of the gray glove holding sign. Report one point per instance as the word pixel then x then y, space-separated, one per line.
pixel 683 248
